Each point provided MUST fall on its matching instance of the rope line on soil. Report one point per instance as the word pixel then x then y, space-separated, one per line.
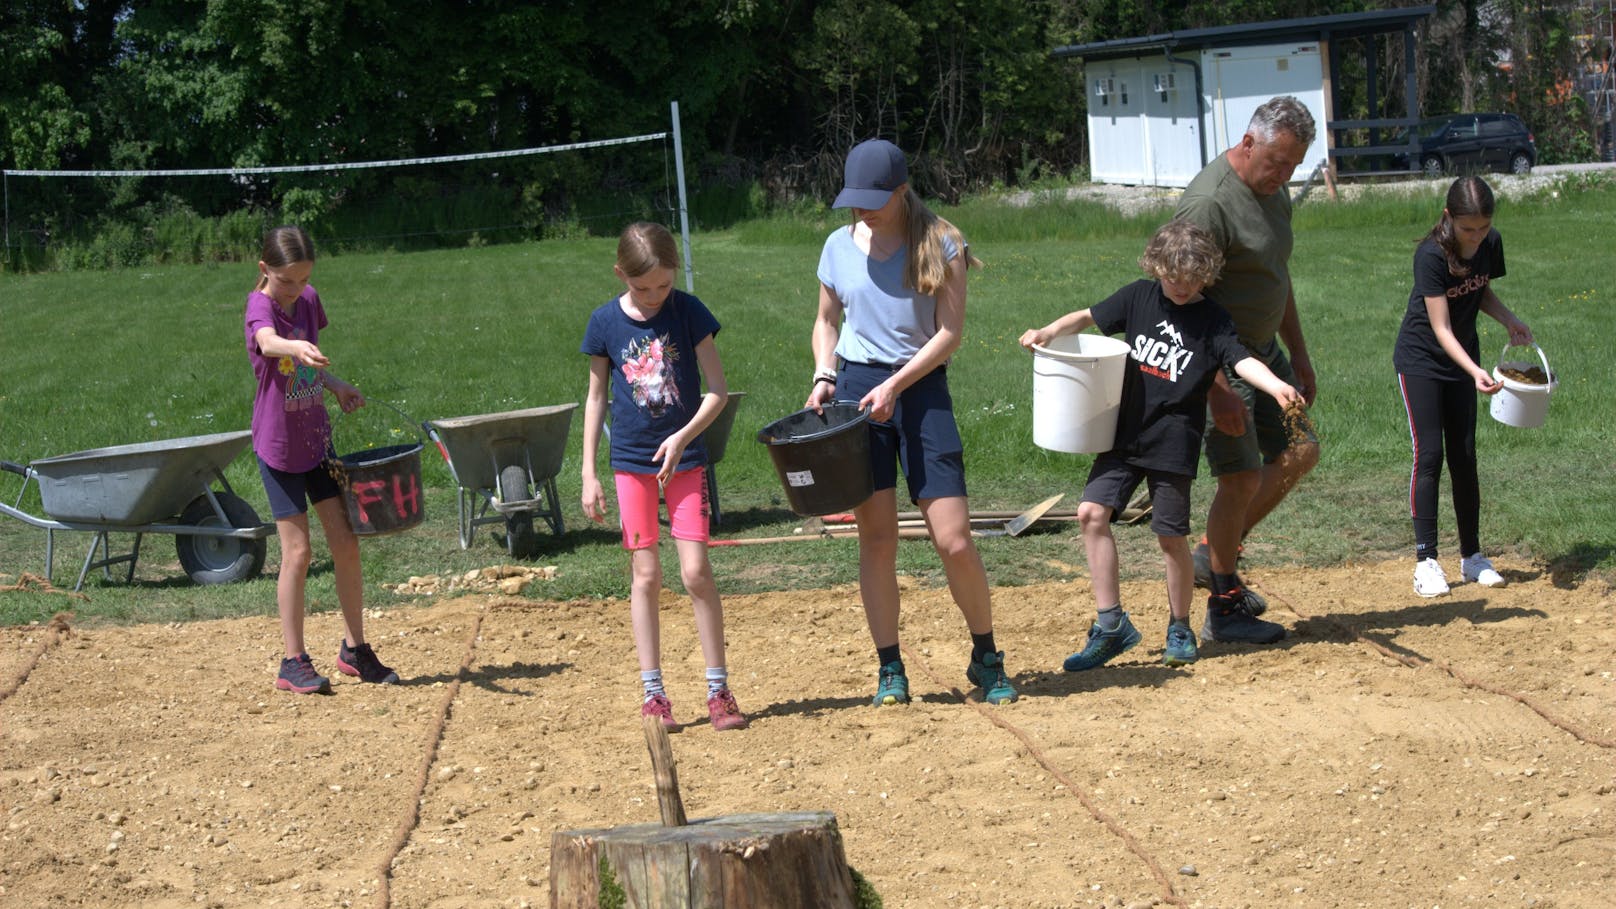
pixel 36 584
pixel 55 631
pixel 1459 675
pixel 412 816
pixel 992 714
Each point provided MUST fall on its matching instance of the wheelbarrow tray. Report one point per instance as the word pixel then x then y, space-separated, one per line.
pixel 472 443
pixel 133 485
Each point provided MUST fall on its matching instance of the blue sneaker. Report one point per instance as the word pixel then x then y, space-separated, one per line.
pixel 1103 646
pixel 989 675
pixel 893 687
pixel 1180 644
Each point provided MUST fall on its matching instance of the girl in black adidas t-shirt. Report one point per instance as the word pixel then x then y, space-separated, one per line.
pixel 1437 370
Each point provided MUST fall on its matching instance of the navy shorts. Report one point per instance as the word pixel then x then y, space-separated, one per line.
pixel 921 436
pixel 1112 482
pixel 292 493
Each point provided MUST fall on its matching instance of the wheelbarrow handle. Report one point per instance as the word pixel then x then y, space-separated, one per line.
pixel 14 467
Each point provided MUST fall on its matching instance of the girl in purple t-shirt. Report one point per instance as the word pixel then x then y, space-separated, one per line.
pixel 292 436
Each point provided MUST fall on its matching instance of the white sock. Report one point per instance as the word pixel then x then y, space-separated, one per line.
pixel 651 680
pixel 717 679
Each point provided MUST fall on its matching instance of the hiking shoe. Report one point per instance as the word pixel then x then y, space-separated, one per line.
pixel 298 675
pixel 1429 579
pixel 722 712
pixel 658 705
pixel 361 661
pixel 1103 645
pixel 1201 555
pixel 1478 569
pixel 893 687
pixel 989 674
pixel 1180 644
pixel 1229 621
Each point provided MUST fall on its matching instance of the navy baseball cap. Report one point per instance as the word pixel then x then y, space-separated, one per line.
pixel 875 168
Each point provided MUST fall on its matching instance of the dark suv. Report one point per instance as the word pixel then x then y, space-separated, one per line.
pixel 1460 143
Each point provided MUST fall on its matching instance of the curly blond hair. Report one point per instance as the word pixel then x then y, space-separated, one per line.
pixel 1181 250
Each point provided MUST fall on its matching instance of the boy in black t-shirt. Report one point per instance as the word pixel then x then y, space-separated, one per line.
pixel 1178 339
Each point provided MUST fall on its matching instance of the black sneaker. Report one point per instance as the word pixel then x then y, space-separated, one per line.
pixel 1229 620
pixel 1201 555
pixel 298 675
pixel 361 661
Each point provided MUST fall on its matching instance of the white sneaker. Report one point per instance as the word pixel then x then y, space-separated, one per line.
pixel 1429 579
pixel 1478 569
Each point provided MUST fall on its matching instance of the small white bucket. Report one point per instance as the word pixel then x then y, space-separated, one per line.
pixel 1077 392
pixel 1521 404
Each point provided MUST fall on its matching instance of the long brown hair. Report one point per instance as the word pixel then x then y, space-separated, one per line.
pixel 285 246
pixel 927 266
pixel 1467 196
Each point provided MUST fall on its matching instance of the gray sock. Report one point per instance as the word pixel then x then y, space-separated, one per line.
pixel 1110 619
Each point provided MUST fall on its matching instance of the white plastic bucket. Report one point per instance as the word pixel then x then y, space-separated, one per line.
pixel 1077 392
pixel 1521 404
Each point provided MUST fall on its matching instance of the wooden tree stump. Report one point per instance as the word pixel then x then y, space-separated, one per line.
pixel 739 861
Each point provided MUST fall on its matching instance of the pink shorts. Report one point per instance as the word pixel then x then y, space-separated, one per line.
pixel 638 506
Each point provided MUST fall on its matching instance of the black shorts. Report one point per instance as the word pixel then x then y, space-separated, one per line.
pixel 1112 481
pixel 921 436
pixel 292 493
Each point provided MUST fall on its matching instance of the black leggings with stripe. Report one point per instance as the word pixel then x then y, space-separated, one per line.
pixel 1442 417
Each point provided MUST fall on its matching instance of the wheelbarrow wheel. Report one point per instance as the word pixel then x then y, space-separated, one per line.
pixel 220 560
pixel 520 540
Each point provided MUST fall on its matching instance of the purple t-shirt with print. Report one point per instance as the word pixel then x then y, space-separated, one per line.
pixel 290 429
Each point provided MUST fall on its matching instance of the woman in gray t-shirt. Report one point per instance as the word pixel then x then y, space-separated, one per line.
pixel 891 313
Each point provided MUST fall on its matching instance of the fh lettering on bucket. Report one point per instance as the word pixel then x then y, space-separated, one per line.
pixel 1160 358
pixel 405 494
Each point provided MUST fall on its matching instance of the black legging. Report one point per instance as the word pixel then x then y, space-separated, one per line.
pixel 1442 414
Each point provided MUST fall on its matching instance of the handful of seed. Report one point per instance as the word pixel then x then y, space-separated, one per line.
pixel 1531 375
pixel 1298 426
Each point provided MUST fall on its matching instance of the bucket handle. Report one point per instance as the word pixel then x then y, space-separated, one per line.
pixel 422 430
pixel 1547 373
pixel 767 439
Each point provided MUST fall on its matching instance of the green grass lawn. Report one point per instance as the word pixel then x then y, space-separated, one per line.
pixel 105 358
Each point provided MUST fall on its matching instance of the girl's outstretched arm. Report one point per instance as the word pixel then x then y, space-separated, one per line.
pixel 594 497
pixel 1492 306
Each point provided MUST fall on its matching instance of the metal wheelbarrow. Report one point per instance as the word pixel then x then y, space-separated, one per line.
pixel 150 487
pixel 506 462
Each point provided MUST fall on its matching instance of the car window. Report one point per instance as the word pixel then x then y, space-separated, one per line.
pixel 1464 128
pixel 1430 129
pixel 1497 128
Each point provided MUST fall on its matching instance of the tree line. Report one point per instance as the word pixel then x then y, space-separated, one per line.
pixel 771 93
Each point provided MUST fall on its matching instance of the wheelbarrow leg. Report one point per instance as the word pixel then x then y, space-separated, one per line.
pixel 89 559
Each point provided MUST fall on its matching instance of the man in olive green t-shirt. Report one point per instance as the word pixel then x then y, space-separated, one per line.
pixel 1241 199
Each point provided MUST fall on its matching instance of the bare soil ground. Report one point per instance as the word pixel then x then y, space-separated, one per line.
pixel 1392 751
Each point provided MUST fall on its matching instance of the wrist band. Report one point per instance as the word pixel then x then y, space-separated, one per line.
pixel 830 379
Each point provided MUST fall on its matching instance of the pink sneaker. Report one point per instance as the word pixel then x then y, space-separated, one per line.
pixel 659 705
pixel 723 713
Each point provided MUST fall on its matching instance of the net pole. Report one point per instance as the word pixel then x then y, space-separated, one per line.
pixel 684 208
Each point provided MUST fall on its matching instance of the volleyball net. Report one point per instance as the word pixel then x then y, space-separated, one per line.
pixel 112 218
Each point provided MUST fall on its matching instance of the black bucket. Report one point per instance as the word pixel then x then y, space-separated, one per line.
pixel 382 487
pixel 823 459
